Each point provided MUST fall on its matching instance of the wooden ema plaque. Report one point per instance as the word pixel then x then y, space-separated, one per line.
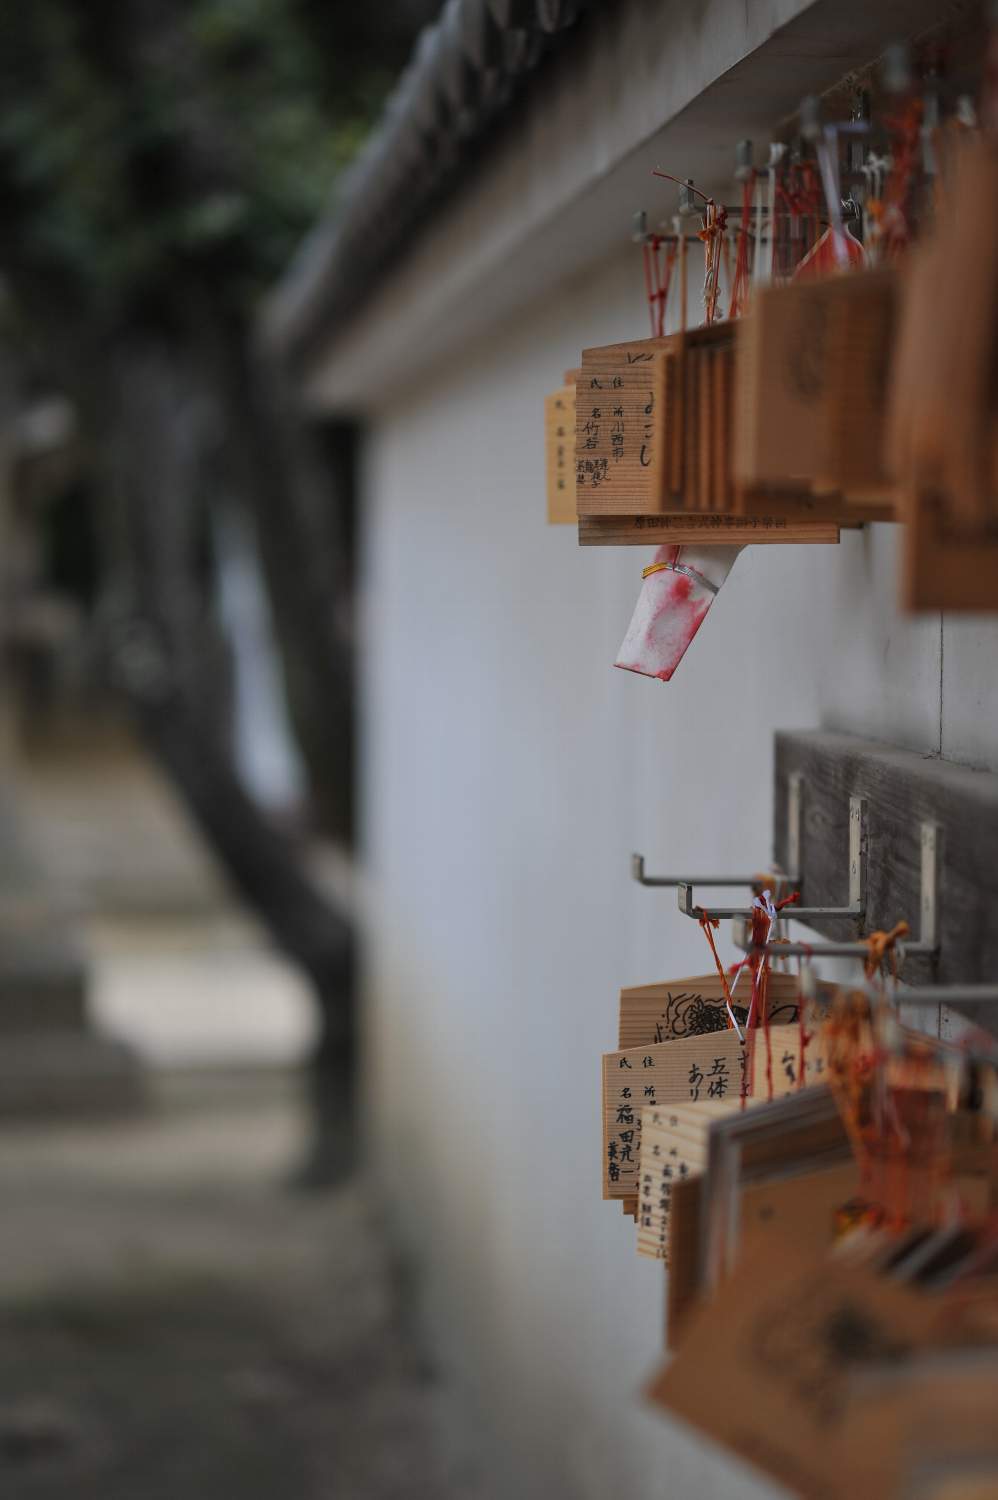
pixel 692 1006
pixel 714 1067
pixel 942 417
pixel 695 1006
pixel 654 443
pixel 813 362
pixel 559 453
pixel 619 429
pixel 946 565
pixel 673 1149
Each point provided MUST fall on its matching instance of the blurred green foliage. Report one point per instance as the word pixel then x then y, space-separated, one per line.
pixel 147 142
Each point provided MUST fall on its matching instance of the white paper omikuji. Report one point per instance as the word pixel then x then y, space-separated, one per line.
pixel 671 608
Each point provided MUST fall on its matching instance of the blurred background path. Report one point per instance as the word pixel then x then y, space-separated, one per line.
pixel 175 1318
pixel 174 1321
pixel 177 968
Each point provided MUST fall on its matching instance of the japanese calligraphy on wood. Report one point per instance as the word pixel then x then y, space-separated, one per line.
pixel 672 1147
pixel 559 448
pixel 714 1067
pixel 619 447
pixel 691 1007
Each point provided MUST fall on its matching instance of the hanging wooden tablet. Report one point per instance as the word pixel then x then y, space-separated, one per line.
pixel 692 1006
pixel 654 450
pixel 559 450
pixel 927 1430
pixel 620 453
pixel 721 430
pixel 860 347
pixel 788 1198
pixel 809 401
pixel 780 381
pixel 767 1366
pixel 683 1256
pixel 707 356
pixel 942 408
pixel 664 1073
pixel 946 565
pixel 672 1148
pixel 717 1066
pixel 786 1138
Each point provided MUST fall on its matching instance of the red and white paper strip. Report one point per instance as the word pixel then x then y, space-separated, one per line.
pixel 675 596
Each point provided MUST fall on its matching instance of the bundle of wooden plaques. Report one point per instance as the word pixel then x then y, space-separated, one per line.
pixel 824 1192
pixel 942 409
pixel 769 428
pixel 680 1065
pixel 853 380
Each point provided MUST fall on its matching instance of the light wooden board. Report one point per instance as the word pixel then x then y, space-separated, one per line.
pixel 683 1257
pixel 778 417
pixel 782 385
pixel 684 1071
pixel 942 430
pixel 675 1072
pixel 690 528
pixel 559 452
pixel 812 368
pixel 693 1006
pixel 619 432
pixel 674 1144
pixel 946 565
pixel 672 1147
pixel 814 505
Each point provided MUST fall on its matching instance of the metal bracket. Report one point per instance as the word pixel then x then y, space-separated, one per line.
pixel 760 877
pixel 672 881
pixel 946 994
pixel 928 903
pixel 858 852
pixel 927 942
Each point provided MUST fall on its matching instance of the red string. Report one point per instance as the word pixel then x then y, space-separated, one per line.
pixel 766 1030
pixel 649 283
pixel 906 141
pixel 804 1034
pixel 739 283
pixel 670 263
pixel 712 235
pixel 659 259
pixel 706 923
pixel 798 190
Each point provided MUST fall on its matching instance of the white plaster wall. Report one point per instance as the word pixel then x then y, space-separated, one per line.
pixel 508 772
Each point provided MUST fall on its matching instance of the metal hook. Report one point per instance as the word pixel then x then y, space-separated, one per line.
pixel 744 169
pixel 776 875
pixel 857 878
pixel 927 943
pixel 946 994
pixel 688 205
pixel 672 881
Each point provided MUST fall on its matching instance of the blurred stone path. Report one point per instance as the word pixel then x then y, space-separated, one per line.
pixel 175 1322
pixel 177 970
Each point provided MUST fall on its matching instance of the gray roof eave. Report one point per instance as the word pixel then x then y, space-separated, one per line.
pixel 464 73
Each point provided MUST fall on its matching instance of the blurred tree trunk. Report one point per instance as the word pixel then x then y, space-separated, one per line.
pixel 138 281
pixel 300 493
pixel 188 427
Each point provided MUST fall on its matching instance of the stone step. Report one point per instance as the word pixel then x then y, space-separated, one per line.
pixel 67 1073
